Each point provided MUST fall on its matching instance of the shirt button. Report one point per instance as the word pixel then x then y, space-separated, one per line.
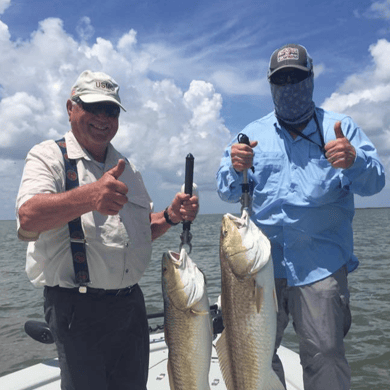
pixel 127 271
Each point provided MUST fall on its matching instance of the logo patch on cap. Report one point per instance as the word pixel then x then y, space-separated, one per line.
pixel 105 85
pixel 288 53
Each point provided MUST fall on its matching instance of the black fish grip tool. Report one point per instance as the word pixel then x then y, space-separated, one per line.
pixel 245 197
pixel 186 235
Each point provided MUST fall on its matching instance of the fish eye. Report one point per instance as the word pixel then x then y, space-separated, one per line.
pixel 164 269
pixel 224 232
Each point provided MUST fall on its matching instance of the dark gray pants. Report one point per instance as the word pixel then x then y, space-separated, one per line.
pixel 321 319
pixel 102 341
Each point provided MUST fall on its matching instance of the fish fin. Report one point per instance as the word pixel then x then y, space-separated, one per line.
pixel 276 301
pixel 224 360
pixel 273 382
pixel 259 296
pixel 199 313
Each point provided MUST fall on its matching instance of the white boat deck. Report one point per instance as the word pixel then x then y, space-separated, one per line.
pixel 46 376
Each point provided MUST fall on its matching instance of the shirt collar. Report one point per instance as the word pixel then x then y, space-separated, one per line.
pixel 73 148
pixel 310 128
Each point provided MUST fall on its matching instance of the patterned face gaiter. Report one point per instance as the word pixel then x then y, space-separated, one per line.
pixel 294 102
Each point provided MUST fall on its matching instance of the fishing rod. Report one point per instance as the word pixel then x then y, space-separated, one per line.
pixel 186 235
pixel 245 197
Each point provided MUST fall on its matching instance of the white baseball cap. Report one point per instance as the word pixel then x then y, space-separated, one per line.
pixel 93 87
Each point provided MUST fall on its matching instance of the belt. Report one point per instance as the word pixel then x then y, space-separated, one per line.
pixel 99 292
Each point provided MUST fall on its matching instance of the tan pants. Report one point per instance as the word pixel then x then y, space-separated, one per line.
pixel 321 319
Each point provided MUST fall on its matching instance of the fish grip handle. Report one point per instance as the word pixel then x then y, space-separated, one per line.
pixel 245 197
pixel 186 235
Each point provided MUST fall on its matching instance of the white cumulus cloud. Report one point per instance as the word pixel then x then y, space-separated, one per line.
pixel 365 97
pixel 4 4
pixel 163 122
pixel 85 29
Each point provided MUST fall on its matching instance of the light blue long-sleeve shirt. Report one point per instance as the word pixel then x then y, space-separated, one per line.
pixel 303 204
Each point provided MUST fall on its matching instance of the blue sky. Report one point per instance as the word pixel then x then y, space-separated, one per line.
pixel 192 75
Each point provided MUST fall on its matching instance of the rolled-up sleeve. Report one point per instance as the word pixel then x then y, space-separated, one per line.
pixel 228 180
pixel 41 175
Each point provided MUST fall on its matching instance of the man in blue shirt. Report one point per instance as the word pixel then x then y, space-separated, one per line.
pixel 308 164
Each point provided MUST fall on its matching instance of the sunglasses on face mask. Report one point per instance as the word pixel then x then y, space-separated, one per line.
pixel 110 110
pixel 291 77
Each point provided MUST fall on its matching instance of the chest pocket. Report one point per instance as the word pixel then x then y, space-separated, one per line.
pixel 268 176
pixel 110 230
pixel 137 219
pixel 131 225
pixel 321 183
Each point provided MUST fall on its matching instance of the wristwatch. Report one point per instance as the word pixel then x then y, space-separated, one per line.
pixel 169 221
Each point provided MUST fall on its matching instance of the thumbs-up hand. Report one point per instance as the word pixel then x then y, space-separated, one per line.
pixel 109 192
pixel 118 169
pixel 339 152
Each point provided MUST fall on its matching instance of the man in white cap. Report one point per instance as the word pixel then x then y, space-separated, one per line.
pixel 86 213
pixel 307 165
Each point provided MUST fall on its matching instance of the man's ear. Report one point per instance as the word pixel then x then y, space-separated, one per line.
pixel 69 107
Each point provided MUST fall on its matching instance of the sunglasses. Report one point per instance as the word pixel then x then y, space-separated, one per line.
pixel 111 110
pixel 291 77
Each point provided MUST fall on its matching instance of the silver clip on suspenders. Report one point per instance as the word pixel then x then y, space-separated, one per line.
pixel 77 240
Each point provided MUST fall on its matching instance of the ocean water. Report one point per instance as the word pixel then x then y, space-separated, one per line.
pixel 367 344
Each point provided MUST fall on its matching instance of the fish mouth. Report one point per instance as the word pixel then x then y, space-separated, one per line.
pixel 231 224
pixel 243 245
pixel 170 257
pixel 239 222
pixel 184 282
pixel 175 258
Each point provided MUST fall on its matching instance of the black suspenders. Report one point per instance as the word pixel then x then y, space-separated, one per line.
pixel 77 240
